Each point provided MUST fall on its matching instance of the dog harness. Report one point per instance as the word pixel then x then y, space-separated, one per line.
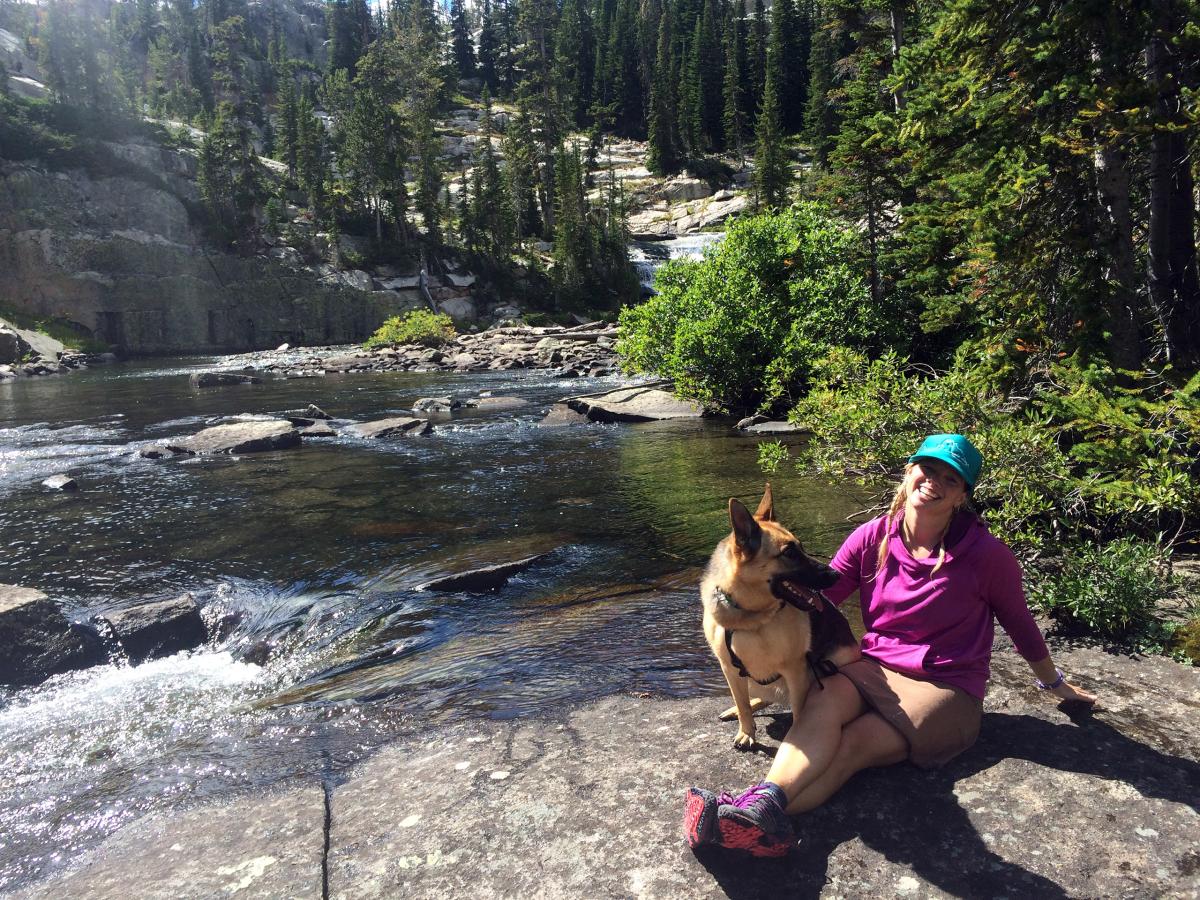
pixel 816 664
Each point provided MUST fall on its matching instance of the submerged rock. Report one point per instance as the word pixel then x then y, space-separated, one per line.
pixel 496 404
pixel 485 578
pixel 402 425
pixel 638 404
pixel 240 437
pixel 775 428
pixel 161 451
pixel 37 641
pixel 150 630
pixel 216 379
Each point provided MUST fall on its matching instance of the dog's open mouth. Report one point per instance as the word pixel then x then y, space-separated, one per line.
pixel 792 591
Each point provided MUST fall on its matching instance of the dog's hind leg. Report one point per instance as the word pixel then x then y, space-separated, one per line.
pixel 756 703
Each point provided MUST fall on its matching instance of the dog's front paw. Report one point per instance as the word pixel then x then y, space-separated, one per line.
pixel 743 741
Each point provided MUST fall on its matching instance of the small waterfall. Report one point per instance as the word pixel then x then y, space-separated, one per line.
pixel 649 256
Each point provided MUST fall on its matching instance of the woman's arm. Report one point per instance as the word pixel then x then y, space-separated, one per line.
pixel 1007 598
pixel 1056 683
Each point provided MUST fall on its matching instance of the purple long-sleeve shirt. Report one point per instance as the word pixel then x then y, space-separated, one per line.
pixel 939 626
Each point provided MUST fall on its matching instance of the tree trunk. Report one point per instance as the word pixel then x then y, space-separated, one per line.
pixel 1174 279
pixel 897 22
pixel 1112 184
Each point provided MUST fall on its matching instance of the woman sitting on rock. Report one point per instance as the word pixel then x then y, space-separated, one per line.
pixel 932 580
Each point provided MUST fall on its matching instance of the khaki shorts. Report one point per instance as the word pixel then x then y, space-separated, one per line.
pixel 938 721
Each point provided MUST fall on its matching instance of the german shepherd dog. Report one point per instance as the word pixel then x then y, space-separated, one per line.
pixel 765 619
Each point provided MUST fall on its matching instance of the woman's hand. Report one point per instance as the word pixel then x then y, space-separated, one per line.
pixel 1070 693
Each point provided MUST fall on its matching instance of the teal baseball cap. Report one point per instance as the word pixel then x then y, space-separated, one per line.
pixel 955 451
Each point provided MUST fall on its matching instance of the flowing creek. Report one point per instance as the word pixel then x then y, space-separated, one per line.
pixel 649 256
pixel 316 553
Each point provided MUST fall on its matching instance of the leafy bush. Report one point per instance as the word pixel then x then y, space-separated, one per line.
pixel 1080 457
pixel 1112 589
pixel 1185 640
pixel 867 417
pixel 417 327
pixel 743 328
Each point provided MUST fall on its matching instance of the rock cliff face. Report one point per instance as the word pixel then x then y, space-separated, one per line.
pixel 121 255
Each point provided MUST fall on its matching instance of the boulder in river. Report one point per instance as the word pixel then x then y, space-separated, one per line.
pixel 561 414
pixel 36 639
pixel 240 437
pixel 161 451
pixel 437 404
pixel 486 578
pixel 61 483
pixel 637 404
pixel 151 630
pixel 402 425
pixel 318 430
pixel 216 379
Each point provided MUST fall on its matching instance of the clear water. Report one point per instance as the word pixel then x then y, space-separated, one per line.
pixel 316 553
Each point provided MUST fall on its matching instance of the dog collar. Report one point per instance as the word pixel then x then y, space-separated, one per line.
pixel 722 597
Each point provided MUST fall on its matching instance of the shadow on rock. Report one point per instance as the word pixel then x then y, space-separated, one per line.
pixel 942 825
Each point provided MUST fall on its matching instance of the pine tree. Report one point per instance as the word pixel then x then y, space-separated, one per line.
pixel 771 173
pixel 820 121
pixel 574 61
pixel 663 155
pixel 710 66
pixel 288 140
pixel 691 97
pixel 521 176
pixel 756 59
pixel 463 50
pixel 491 212
pixel 429 178
pixel 733 115
pixel 489 48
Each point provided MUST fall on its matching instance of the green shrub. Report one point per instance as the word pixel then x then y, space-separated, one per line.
pixel 866 417
pixel 1184 644
pixel 417 327
pixel 1080 456
pixel 743 328
pixel 1112 589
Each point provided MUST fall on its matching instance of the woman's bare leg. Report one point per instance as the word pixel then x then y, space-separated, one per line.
pixel 866 742
pixel 812 742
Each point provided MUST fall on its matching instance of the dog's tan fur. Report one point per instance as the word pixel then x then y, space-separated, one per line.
pixel 767 637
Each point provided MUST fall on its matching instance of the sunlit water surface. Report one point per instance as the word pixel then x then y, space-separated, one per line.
pixel 316 555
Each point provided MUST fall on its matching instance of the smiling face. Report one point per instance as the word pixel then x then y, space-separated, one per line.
pixel 934 488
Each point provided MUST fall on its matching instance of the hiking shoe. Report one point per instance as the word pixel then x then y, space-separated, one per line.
pixel 756 822
pixel 700 816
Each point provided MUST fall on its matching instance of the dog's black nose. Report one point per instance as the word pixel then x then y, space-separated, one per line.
pixel 828 577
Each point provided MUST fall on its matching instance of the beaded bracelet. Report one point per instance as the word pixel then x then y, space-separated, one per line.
pixel 1052 685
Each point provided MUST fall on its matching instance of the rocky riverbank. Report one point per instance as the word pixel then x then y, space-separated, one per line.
pixel 583 350
pixel 586 803
pixel 28 354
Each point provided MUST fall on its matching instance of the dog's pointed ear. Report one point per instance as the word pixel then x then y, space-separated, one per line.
pixel 766 506
pixel 747 533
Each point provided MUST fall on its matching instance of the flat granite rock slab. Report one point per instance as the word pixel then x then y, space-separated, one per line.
pixel 588 805
pixel 267 845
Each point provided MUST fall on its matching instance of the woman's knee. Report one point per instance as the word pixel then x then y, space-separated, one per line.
pixel 834 698
pixel 870 741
